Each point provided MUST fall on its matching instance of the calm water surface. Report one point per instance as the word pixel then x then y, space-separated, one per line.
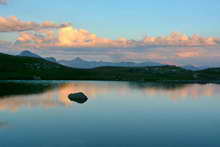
pixel 117 114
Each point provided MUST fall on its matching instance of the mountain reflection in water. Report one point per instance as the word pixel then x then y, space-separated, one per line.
pixel 17 94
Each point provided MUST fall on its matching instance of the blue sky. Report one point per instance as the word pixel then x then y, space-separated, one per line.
pixel 127 18
pixel 115 30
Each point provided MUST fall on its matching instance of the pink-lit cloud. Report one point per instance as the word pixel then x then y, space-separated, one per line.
pixel 79 38
pixel 66 41
pixel 13 24
pixel 39 39
pixel 3 2
pixel 188 54
pixel 5 44
pixel 182 40
pixel 40 34
pixel 166 49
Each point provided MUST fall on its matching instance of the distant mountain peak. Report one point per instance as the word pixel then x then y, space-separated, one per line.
pixel 78 59
pixel 27 53
pixel 51 59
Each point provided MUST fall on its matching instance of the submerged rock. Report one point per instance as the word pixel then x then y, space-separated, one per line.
pixel 78 97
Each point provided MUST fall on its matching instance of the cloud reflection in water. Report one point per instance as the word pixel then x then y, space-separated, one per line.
pixel 14 96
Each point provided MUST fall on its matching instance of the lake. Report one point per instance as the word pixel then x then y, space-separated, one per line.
pixel 116 114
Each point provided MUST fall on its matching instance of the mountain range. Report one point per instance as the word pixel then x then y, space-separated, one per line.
pixel 80 63
pixel 35 68
pixel 27 53
pixel 84 64
pixel 194 68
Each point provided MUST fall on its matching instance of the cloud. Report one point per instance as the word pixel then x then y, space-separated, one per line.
pixel 66 41
pixel 69 42
pixel 13 24
pixel 5 44
pixel 188 54
pixel 72 37
pixel 3 2
pixel 39 39
pixel 78 38
pixel 181 40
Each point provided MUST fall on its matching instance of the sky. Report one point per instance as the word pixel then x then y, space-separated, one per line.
pixel 171 31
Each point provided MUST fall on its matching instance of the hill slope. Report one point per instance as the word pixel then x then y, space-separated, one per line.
pixel 17 67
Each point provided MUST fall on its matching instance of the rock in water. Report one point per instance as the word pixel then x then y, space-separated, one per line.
pixel 78 97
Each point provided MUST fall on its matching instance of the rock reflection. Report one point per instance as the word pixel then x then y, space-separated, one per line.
pixel 16 95
pixel 172 90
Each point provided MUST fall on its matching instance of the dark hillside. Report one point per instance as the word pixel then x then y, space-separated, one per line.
pixel 29 68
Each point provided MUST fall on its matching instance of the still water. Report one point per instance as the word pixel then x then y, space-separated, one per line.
pixel 117 114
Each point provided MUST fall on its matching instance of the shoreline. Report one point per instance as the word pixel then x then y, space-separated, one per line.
pixel 157 82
